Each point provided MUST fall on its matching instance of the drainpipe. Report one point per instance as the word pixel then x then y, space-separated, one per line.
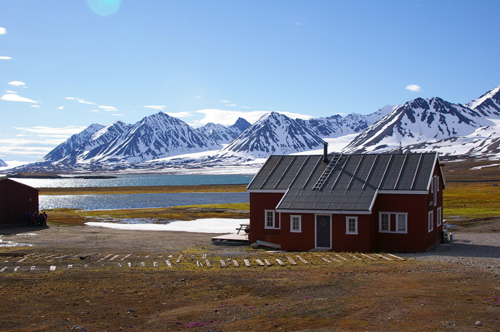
pixel 325 152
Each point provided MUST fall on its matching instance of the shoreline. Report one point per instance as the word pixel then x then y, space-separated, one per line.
pixel 144 189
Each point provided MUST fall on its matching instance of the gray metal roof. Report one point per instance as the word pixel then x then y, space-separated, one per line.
pixel 346 183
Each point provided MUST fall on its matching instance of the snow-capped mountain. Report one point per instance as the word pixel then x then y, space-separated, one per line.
pixel 240 125
pixel 155 136
pixel 488 104
pixel 484 142
pixel 222 134
pixel 3 163
pixel 273 133
pixel 66 148
pixel 417 121
pixel 337 125
pixel 160 141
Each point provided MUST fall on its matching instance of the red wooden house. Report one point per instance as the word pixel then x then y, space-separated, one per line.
pixel 16 199
pixel 356 203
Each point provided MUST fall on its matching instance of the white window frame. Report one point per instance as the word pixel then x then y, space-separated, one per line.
pixel 405 230
pixel 438 217
pixel 299 228
pixel 347 230
pixel 430 221
pixel 396 218
pixel 436 189
pixel 266 226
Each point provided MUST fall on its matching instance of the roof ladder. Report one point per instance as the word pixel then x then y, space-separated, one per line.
pixel 326 173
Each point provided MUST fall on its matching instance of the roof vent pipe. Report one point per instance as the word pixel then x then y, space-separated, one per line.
pixel 325 152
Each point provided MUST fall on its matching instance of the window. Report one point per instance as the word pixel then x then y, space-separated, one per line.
pixel 430 222
pixel 399 222
pixel 384 222
pixel 438 216
pixel 351 225
pixel 295 224
pixel 270 219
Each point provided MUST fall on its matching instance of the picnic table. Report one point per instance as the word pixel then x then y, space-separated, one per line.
pixel 243 227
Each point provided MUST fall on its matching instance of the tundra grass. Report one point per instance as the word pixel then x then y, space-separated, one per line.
pixel 188 212
pixel 471 200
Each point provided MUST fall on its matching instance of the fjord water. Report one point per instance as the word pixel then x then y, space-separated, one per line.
pixel 138 180
pixel 137 201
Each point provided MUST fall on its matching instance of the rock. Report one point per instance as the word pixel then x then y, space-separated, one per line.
pixel 478 323
pixel 254 246
pixel 78 327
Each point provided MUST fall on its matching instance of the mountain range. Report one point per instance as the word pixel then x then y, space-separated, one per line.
pixel 431 124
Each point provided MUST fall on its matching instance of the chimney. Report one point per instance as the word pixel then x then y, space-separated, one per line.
pixel 325 152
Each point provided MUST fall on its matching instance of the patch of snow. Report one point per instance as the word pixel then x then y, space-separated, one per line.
pixel 481 167
pixel 213 226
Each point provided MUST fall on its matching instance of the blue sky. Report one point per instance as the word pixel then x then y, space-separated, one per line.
pixel 67 64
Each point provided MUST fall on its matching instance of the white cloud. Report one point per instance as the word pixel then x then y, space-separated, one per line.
pixel 95 111
pixel 198 97
pixel 16 83
pixel 14 97
pixel 413 87
pixel 80 100
pixel 42 140
pixel 42 130
pixel 155 107
pixel 60 107
pixel 10 91
pixel 231 105
pixel 85 102
pixel 108 108
pixel 117 114
pixel 35 105
pixel 2 31
pixel 5 57
pixel 25 150
pixel 179 114
pixel 225 101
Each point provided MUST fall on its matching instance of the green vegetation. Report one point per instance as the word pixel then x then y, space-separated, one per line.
pixel 471 200
pixel 189 212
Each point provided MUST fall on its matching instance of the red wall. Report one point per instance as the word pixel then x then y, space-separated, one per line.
pixel 341 241
pixel 15 200
pixel 416 237
pixel 259 202
pixel 302 241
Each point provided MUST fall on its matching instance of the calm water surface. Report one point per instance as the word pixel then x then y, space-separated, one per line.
pixel 138 180
pixel 136 201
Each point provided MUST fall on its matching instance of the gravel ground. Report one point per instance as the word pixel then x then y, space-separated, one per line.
pixel 478 250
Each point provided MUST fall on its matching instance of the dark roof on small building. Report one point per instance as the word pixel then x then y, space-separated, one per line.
pixel 4 179
pixel 346 182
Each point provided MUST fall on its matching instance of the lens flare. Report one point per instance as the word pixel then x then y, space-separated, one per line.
pixel 104 7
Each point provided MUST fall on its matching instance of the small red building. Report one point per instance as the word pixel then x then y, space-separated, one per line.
pixel 16 199
pixel 356 203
